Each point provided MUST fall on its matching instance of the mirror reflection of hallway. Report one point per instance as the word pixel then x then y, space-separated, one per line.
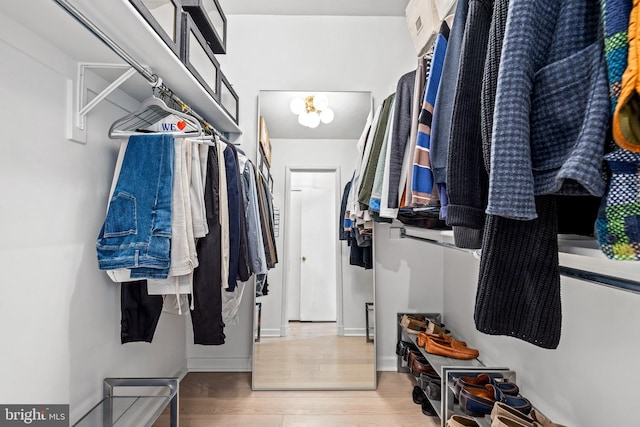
pixel 311 352
pixel 313 320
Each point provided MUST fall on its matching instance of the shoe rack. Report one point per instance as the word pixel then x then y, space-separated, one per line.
pixel 450 369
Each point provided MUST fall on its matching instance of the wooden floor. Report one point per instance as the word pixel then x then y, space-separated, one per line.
pixel 226 399
pixel 312 356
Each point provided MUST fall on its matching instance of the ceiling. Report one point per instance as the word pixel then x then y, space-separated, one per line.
pixel 350 108
pixel 315 7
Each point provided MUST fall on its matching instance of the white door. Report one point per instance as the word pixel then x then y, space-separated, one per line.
pixel 318 253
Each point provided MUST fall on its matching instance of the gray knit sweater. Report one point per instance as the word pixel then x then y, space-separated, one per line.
pixel 551 112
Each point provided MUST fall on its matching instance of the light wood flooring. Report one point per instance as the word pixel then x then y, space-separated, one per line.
pixel 226 399
pixel 312 356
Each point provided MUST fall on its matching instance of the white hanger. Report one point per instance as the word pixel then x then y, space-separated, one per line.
pixel 449 20
pixel 210 140
pixel 151 111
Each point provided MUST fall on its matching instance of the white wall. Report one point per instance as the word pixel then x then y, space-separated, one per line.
pixel 60 315
pixel 587 380
pixel 408 278
pixel 300 53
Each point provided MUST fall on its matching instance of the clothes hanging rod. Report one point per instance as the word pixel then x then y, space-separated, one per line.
pixel 153 79
pixel 575 273
pixel 86 22
pixel 602 279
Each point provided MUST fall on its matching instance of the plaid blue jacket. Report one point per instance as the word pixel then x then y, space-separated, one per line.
pixel 552 106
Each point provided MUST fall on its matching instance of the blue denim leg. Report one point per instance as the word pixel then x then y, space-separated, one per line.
pixel 136 233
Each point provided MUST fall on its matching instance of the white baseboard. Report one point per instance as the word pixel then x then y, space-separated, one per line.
pixel 219 364
pixel 181 371
pixel 341 330
pixel 274 332
pixel 354 332
pixel 387 364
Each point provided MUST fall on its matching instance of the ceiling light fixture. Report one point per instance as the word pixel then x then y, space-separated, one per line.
pixel 312 110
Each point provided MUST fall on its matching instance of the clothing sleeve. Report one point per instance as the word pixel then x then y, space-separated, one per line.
pixel 443 108
pixel 467 182
pixel 422 183
pixel 403 111
pixel 376 191
pixel 366 185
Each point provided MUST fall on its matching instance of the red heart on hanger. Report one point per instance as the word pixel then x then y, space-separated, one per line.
pixel 181 124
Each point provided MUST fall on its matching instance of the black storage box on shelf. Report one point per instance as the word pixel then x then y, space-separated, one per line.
pixel 208 16
pixel 198 57
pixel 228 98
pixel 165 17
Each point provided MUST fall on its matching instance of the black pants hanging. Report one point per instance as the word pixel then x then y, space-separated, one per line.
pixel 206 317
pixel 140 312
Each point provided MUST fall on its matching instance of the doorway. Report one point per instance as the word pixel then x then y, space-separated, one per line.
pixel 312 280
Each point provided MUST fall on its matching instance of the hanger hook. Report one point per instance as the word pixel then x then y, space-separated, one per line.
pixel 157 83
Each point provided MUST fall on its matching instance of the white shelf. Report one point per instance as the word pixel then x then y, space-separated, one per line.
pixel 122 23
pixel 580 258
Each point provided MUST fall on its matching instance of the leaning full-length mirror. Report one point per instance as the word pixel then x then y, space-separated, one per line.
pixel 314 316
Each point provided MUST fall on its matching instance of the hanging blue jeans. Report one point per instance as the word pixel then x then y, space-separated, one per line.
pixel 136 233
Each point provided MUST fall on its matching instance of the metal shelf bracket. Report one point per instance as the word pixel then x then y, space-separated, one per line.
pixel 78 105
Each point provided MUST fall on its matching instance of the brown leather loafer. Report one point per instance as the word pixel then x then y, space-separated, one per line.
pixel 420 365
pixel 453 349
pixel 422 339
pixel 482 379
pixel 412 355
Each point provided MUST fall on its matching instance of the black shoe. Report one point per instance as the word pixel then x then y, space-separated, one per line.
pixel 418 396
pixel 401 347
pixel 434 390
pixel 428 409
pixel 425 378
